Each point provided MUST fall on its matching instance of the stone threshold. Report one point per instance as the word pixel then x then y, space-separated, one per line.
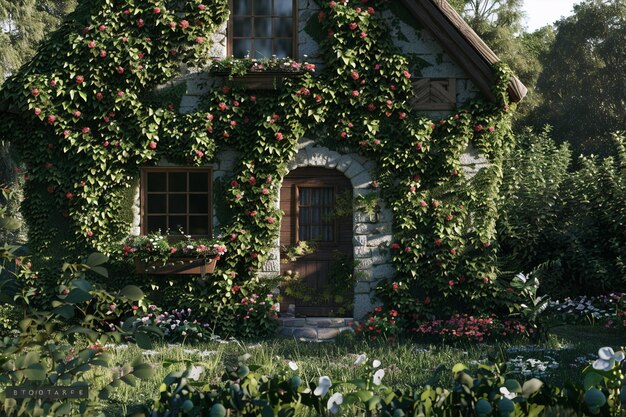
pixel 313 329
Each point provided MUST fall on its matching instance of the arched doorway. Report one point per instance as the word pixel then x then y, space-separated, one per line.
pixel 308 197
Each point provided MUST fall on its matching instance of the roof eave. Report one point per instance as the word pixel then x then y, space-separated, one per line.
pixel 463 44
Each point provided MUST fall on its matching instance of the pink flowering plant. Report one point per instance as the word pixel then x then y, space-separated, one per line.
pixel 157 247
pixel 242 66
pixel 257 316
pixel 464 327
pixel 378 325
pixel 178 325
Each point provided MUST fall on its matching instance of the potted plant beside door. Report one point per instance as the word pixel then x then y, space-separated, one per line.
pixel 160 254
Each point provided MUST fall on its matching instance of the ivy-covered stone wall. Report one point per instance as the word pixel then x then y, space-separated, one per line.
pixel 84 126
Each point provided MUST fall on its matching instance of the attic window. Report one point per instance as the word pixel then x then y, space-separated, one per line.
pixel 176 199
pixel 262 28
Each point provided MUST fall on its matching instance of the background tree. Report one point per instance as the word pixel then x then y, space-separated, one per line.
pixel 500 24
pixel 23 24
pixel 583 82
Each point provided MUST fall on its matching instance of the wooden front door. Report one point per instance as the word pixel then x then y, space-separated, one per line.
pixel 308 197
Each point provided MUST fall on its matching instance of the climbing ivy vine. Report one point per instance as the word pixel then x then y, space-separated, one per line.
pixel 79 116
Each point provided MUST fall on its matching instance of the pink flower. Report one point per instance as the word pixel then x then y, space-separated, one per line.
pixel 152 144
pixel 355 93
pixel 363 35
pixel 199 153
pixel 438 242
pixel 395 246
pixel 451 283
pixel 80 79
pixel 278 136
pixel 423 203
pixel 102 28
pixel 271 220
pixel 51 119
pixel 140 23
pixel 452 251
pixel 184 24
pixel 222 106
pixel 91 45
pixel 37 111
pixel 86 130
pixel 352 26
pixel 156 10
pixel 354 75
pixel 252 213
pixel 69 195
pixel 53 82
pixel 201 7
pixel 265 191
pixel 491 129
pixel 66 133
pixel 89 233
pixel 120 70
pixel 406 74
pixel 332 4
pixel 478 128
pixel 103 54
pixel 199 39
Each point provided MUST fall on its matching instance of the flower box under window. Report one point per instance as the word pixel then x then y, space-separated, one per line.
pixel 177 266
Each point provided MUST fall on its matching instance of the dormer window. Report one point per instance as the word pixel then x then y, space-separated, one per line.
pixel 262 28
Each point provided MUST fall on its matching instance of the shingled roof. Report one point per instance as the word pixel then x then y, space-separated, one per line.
pixel 463 44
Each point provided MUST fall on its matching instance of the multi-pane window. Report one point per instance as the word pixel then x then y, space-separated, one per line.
pixel 315 207
pixel 262 28
pixel 176 199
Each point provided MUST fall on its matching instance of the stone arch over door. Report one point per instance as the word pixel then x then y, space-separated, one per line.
pixel 370 239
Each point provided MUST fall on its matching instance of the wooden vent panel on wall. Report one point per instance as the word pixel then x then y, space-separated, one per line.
pixel 434 94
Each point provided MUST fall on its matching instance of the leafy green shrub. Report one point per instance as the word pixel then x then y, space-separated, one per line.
pixel 570 223
pixel 9 317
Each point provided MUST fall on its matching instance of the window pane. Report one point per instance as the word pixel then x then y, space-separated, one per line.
pixel 242 27
pixel 242 7
pixel 283 7
pixel 177 223
pixel 198 203
pixel 178 182
pixel 262 7
pixel 241 48
pixel 156 181
pixel 283 48
pixel 282 28
pixel 156 223
pixel 178 203
pixel 262 48
pixel 198 181
pixel 263 28
pixel 198 225
pixel 156 203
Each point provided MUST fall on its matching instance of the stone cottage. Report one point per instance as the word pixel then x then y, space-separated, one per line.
pixel 455 65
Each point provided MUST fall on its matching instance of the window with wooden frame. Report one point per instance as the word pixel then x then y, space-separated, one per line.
pixel 314 208
pixel 177 199
pixel 262 28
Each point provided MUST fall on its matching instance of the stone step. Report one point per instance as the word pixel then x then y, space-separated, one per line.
pixel 314 329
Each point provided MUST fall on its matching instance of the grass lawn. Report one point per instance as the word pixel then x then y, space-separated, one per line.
pixel 562 358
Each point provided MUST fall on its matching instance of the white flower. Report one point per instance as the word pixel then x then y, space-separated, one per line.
pixel 376 363
pixel 334 402
pixel 378 376
pixel 322 387
pixel 607 359
pixel 362 357
pixel 506 394
pixel 522 277
pixel 293 365
pixel 195 372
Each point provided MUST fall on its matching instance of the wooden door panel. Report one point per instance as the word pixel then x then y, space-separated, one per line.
pixel 306 194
